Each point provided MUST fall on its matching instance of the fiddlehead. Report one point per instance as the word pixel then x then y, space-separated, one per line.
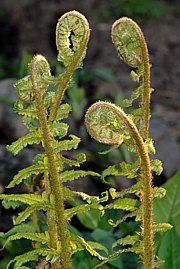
pixel 109 124
pixel 72 35
pixel 132 49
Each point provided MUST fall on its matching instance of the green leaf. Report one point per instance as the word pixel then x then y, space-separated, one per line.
pixel 156 166
pixel 63 111
pixel 167 209
pixel 43 238
pixel 122 169
pixel 24 198
pixel 22 216
pixel 128 240
pixel 83 208
pixel 81 158
pixel 67 144
pixel 22 228
pixel 22 142
pixel 169 250
pixel 78 240
pixel 74 174
pixel 136 94
pixel 27 172
pixel 162 227
pixel 59 129
pixel 136 188
pixel 89 219
pixel 125 204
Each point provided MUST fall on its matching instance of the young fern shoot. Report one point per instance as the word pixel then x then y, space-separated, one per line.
pixel 42 113
pixel 109 124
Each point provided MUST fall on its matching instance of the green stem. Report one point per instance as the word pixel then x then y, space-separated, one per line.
pixel 55 184
pixel 144 123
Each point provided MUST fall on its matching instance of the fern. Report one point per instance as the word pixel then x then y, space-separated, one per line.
pixel 111 125
pixel 29 139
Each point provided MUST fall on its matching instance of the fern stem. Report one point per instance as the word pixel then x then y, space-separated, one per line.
pixel 93 126
pixel 55 184
pixel 144 123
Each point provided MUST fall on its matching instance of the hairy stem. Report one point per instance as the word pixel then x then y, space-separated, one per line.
pixel 55 184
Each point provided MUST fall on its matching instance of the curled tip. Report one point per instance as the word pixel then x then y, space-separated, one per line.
pixel 40 70
pixel 72 34
pixel 127 38
pixel 103 124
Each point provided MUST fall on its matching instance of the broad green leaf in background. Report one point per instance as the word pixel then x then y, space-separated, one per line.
pixel 167 209
pixel 169 250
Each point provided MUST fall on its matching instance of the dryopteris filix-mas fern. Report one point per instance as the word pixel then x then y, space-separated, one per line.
pixel 109 124
pixel 42 113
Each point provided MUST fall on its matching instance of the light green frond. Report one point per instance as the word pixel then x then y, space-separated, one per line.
pixel 24 89
pixel 23 267
pixel 156 166
pixel 81 158
pixel 29 199
pixel 67 144
pixel 159 192
pixel 28 111
pixel 72 34
pixel 22 216
pixel 63 111
pixel 161 227
pixel 83 208
pixel 74 174
pixel 136 94
pixel 128 240
pixel 59 129
pixel 27 172
pixel 118 222
pixel 136 188
pixel 43 238
pixel 89 246
pixel 92 199
pixel 22 228
pixel 122 169
pixel 22 142
pixel 24 258
pixel 125 204
pixel 126 36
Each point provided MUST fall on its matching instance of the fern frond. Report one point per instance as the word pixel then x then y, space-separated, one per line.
pixel 22 228
pixel 136 188
pixel 82 208
pixel 92 199
pixel 128 240
pixel 74 174
pixel 81 158
pixel 22 142
pixel 136 250
pixel 27 172
pixel 29 111
pixel 161 227
pixel 122 169
pixel 22 216
pixel 63 111
pixel 67 144
pixel 136 94
pixel 118 222
pixel 124 204
pixel 29 199
pixel 159 192
pixel 59 129
pixel 89 246
pixel 156 166
pixel 43 238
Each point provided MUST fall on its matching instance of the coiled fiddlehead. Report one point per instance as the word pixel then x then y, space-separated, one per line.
pixel 72 35
pixel 132 49
pixel 109 124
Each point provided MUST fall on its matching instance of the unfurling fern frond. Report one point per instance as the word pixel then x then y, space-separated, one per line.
pixel 29 139
pixel 27 172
